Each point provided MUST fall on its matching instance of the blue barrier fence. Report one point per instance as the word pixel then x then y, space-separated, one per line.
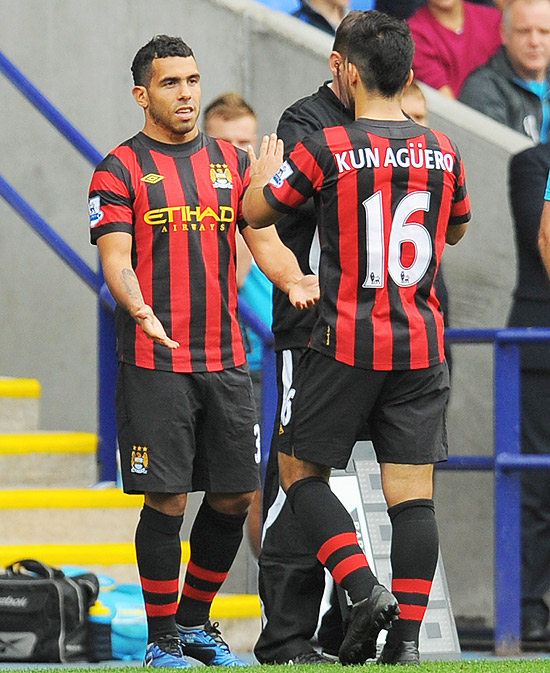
pixel 507 463
pixel 94 279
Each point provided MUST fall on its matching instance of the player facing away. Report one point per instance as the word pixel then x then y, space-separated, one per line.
pixel 164 209
pixel 389 194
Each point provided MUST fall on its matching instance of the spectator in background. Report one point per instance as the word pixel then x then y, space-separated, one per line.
pixel 512 88
pixel 531 308
pixel 323 14
pixel 414 104
pixel 404 9
pixel 231 118
pixel 452 38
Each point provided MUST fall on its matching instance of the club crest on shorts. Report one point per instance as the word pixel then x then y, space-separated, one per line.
pixel 140 459
pixel 221 176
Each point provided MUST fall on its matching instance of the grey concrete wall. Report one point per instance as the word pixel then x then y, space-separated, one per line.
pixel 78 52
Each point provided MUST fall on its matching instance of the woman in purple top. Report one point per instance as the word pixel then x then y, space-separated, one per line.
pixel 404 9
pixel 453 38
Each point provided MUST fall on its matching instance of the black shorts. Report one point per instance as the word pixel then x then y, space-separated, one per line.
pixel 187 432
pixel 334 405
pixel 288 363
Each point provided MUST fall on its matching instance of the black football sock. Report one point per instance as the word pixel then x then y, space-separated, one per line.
pixel 414 553
pixel 214 542
pixel 158 551
pixel 332 533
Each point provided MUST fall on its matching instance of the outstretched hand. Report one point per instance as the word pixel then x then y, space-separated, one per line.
pixel 305 293
pixel 153 328
pixel 269 159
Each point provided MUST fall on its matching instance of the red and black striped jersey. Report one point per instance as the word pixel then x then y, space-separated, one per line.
pixel 292 328
pixel 181 204
pixel 385 193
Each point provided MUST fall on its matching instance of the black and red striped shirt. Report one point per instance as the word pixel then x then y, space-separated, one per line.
pixel 385 193
pixel 181 204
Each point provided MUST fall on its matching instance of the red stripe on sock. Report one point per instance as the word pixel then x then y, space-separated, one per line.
pixel 204 574
pixel 198 594
pixel 334 544
pixel 412 586
pixel 348 565
pixel 159 586
pixel 166 610
pixel 413 613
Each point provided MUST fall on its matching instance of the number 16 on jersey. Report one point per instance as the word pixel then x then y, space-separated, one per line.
pixel 402 232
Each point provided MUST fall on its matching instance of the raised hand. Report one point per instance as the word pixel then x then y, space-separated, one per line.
pixel 269 160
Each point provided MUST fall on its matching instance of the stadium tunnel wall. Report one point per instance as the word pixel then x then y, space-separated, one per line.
pixel 78 54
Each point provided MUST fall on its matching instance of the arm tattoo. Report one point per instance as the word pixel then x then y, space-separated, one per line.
pixel 131 284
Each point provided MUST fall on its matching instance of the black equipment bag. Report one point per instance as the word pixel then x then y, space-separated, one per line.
pixel 44 613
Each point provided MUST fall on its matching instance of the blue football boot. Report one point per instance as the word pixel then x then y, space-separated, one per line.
pixel 207 646
pixel 166 652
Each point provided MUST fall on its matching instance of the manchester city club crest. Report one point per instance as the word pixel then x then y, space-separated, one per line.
pixel 140 460
pixel 221 176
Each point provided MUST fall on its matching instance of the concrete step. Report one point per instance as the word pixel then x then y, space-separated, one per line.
pixel 94 529
pixel 71 526
pixel 67 523
pixel 19 404
pixel 48 459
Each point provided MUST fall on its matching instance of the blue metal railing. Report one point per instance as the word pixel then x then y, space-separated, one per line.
pixel 94 280
pixel 52 114
pixel 507 462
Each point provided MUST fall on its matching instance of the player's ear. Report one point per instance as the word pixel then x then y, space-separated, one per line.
pixel 353 74
pixel 335 62
pixel 141 96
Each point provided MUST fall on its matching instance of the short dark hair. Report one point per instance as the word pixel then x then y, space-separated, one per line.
pixel 382 49
pixel 160 46
pixel 343 32
pixel 228 106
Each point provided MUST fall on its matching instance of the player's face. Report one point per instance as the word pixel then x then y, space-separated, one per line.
pixel 240 132
pixel 526 36
pixel 172 100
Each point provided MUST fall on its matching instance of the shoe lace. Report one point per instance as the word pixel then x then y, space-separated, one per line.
pixel 215 633
pixel 170 644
